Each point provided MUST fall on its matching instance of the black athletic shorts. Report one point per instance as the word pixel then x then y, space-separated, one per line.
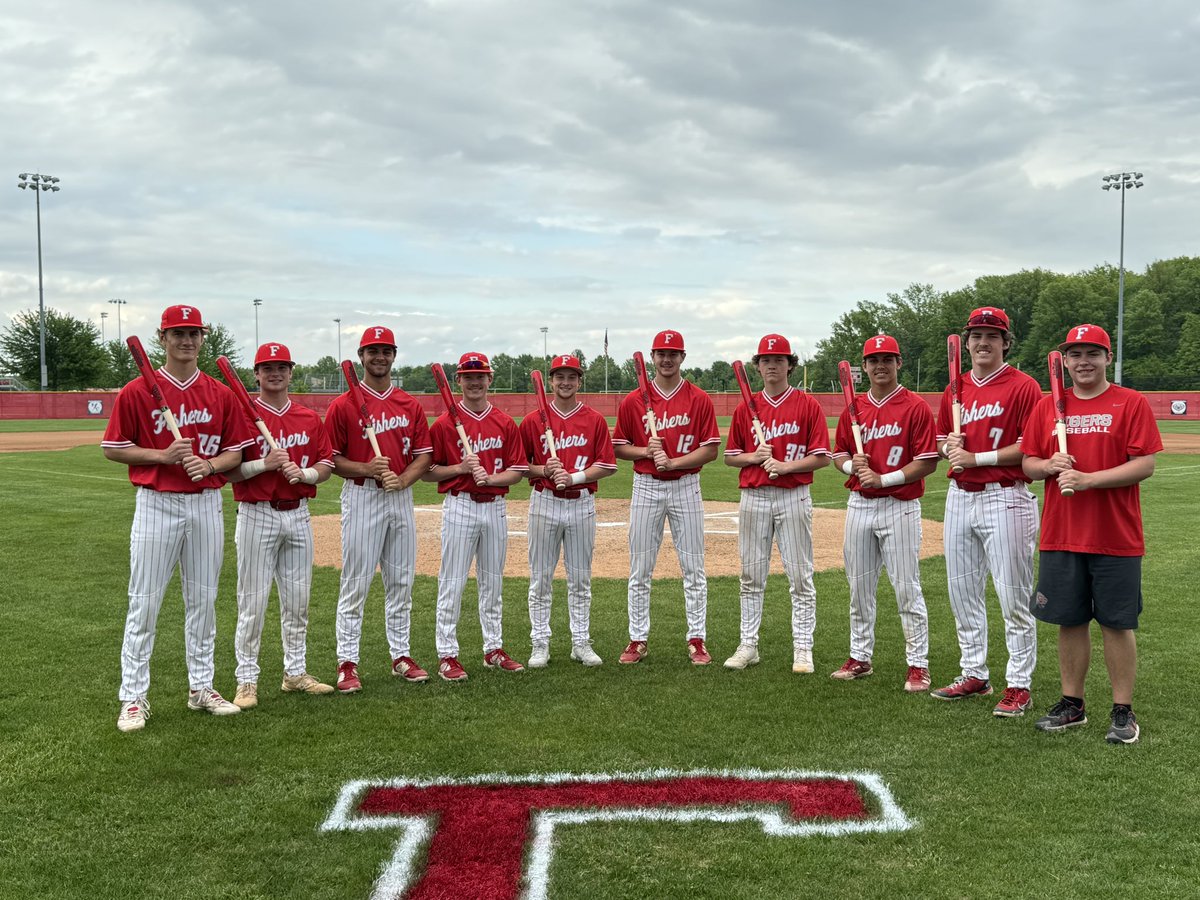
pixel 1074 588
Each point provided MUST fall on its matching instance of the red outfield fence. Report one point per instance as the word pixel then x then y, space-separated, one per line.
pixel 98 404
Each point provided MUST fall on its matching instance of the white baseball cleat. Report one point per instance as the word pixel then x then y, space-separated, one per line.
pixel 304 684
pixel 585 654
pixel 208 700
pixel 540 657
pixel 246 696
pixel 802 663
pixel 134 714
pixel 745 655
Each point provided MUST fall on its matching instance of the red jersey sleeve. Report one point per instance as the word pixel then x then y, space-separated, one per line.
pixel 740 438
pixel 945 419
pixel 602 441
pixel 631 426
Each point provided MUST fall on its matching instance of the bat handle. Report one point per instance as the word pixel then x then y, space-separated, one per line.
pixel 762 442
pixel 266 433
pixel 858 444
pixel 374 442
pixel 466 442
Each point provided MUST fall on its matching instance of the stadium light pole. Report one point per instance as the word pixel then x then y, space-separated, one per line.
pixel 340 376
pixel 103 335
pixel 546 350
pixel 119 304
pixel 35 182
pixel 1122 182
pixel 257 304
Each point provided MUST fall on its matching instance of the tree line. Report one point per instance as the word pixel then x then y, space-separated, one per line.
pixel 1161 343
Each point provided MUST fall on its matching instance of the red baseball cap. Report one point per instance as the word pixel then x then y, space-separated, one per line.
pixel 774 345
pixel 1086 334
pixel 566 361
pixel 473 362
pixel 269 353
pixel 181 317
pixel 989 317
pixel 668 340
pixel 881 343
pixel 377 334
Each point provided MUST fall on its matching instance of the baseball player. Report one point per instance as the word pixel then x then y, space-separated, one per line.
pixel 378 523
pixel 562 509
pixel 779 510
pixel 1090 564
pixel 274 531
pixel 474 523
pixel 991 517
pixel 666 485
pixel 177 515
pixel 883 515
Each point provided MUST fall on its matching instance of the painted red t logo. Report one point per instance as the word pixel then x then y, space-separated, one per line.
pixel 478 832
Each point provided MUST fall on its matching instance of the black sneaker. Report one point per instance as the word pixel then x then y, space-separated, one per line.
pixel 1124 728
pixel 1063 715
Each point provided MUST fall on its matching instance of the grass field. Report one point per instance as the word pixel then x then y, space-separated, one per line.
pixel 18 426
pixel 200 807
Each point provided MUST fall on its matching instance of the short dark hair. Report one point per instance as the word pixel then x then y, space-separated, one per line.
pixel 792 358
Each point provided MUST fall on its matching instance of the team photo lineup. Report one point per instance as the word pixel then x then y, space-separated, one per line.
pixel 183 434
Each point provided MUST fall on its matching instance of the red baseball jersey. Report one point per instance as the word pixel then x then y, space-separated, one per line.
pixel 895 431
pixel 495 439
pixel 580 437
pixel 793 424
pixel 994 412
pixel 400 427
pixel 205 410
pixel 296 429
pixel 685 422
pixel 1102 432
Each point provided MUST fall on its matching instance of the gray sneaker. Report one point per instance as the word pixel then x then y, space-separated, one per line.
pixel 1124 728
pixel 745 655
pixel 584 653
pixel 540 657
pixel 246 696
pixel 1062 715
pixel 208 700
pixel 134 714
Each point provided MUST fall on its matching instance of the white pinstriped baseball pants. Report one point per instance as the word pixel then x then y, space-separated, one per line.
pixel 479 532
pixel 570 525
pixel 272 546
pixel 767 515
pixel 883 531
pixel 187 529
pixel 992 530
pixel 679 503
pixel 378 529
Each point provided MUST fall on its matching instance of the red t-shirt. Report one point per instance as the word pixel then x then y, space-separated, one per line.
pixel 1102 432
pixel 793 424
pixel 895 431
pixel 205 411
pixel 296 429
pixel 685 422
pixel 494 438
pixel 994 411
pixel 399 423
pixel 580 437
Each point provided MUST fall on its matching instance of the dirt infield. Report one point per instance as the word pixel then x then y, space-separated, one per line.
pixel 611 559
pixel 47 440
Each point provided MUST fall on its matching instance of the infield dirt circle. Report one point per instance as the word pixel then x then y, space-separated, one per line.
pixel 611 559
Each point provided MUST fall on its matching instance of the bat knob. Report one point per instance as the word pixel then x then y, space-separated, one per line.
pixel 1068 492
pixel 773 475
pixel 958 470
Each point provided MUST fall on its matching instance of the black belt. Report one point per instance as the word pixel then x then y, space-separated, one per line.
pixel 565 495
pixel 975 488
pixel 478 498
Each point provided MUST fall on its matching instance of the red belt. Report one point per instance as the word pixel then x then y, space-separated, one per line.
pixel 282 505
pixel 478 498
pixel 975 488
pixel 565 495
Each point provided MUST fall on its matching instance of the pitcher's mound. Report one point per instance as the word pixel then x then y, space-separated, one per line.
pixel 611 559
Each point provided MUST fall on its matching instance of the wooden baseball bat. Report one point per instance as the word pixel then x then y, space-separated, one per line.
pixel 443 386
pixel 847 380
pixel 355 388
pixel 243 397
pixel 150 379
pixel 539 391
pixel 1058 393
pixel 739 372
pixel 954 358
pixel 639 363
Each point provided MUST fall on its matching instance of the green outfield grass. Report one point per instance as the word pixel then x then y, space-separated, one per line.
pixel 11 426
pixel 1178 426
pixel 200 807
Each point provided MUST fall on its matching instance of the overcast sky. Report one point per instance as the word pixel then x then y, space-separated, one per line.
pixel 469 171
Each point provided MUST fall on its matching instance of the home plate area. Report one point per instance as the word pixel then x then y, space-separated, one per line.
pixel 611 559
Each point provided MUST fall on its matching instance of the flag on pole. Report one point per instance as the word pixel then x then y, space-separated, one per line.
pixel 606 342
